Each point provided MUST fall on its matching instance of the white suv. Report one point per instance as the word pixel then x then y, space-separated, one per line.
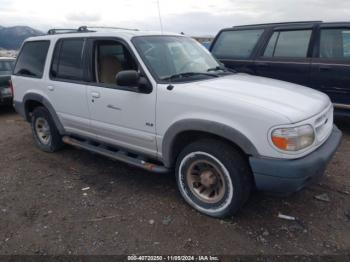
pixel 162 102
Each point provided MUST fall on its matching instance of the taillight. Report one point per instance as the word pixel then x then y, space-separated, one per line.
pixel 11 87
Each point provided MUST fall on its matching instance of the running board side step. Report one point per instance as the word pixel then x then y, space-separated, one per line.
pixel 117 155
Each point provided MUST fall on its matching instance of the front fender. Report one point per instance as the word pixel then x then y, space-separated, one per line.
pixel 206 126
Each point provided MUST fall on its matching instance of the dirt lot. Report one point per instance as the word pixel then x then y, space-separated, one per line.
pixel 43 209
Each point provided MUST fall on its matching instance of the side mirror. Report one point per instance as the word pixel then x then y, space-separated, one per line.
pixel 133 79
pixel 128 78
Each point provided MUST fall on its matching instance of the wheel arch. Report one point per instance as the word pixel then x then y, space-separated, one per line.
pixel 185 131
pixel 32 100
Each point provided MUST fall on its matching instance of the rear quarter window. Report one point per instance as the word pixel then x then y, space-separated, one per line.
pixel 236 43
pixel 31 60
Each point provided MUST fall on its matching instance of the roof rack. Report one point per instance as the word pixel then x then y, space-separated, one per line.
pixel 280 23
pixel 81 29
pixel 110 27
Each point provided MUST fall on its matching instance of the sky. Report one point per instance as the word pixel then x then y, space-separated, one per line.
pixel 193 17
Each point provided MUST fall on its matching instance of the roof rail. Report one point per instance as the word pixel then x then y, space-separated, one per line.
pixel 111 27
pixel 280 23
pixel 81 29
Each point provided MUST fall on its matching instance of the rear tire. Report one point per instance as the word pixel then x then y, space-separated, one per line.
pixel 213 177
pixel 44 131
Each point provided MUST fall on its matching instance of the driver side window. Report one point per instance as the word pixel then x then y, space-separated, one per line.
pixel 111 57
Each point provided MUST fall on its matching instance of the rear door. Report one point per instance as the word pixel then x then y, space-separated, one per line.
pixel 286 55
pixel 66 86
pixel 331 63
pixel 236 48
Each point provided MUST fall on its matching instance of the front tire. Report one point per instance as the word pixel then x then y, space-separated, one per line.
pixel 44 131
pixel 213 177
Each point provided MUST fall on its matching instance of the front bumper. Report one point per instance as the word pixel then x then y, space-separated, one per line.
pixel 288 176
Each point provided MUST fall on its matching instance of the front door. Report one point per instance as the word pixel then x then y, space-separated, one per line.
pixel 331 65
pixel 119 115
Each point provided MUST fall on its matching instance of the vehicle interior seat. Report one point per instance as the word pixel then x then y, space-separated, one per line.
pixel 109 67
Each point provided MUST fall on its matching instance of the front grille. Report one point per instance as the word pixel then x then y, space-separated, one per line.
pixel 324 124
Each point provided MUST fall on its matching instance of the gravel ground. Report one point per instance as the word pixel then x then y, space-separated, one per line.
pixel 75 202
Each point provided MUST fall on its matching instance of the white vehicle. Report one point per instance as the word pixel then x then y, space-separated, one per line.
pixel 162 102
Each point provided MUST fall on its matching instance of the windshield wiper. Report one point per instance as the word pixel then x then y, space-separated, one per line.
pixel 221 68
pixel 187 74
pixel 217 68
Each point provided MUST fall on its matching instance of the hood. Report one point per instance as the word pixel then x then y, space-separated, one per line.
pixel 295 102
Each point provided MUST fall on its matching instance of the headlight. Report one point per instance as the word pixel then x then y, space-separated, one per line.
pixel 294 138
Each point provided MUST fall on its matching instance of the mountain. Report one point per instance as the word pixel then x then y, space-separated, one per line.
pixel 12 37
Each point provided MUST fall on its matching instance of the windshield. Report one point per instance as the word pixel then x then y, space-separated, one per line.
pixel 168 56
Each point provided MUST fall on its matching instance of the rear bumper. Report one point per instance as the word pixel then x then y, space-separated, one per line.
pixel 288 176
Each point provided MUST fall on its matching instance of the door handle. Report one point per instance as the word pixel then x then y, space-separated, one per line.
pixel 51 88
pixel 95 94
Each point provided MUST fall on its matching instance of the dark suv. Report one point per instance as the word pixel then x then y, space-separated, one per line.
pixel 313 54
pixel 6 66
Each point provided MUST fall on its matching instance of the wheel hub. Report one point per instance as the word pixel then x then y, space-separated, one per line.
pixel 208 178
pixel 206 181
pixel 42 130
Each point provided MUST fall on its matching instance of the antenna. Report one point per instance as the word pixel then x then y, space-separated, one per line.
pixel 160 17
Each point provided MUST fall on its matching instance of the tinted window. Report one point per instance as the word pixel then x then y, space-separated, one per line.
pixel 236 44
pixel 31 60
pixel 270 49
pixel 335 43
pixel 289 44
pixel 6 67
pixel 67 63
pixel 112 57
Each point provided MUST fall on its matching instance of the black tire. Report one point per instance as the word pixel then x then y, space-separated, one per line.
pixel 55 142
pixel 226 164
